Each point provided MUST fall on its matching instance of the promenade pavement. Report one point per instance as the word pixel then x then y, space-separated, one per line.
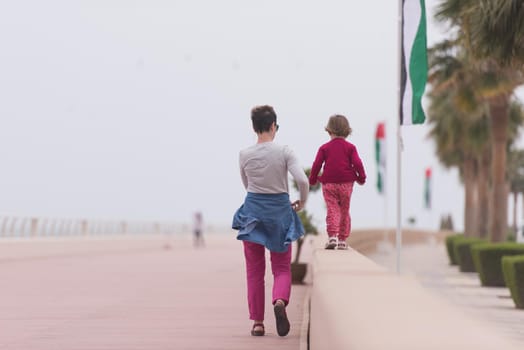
pixel 131 294
pixel 429 264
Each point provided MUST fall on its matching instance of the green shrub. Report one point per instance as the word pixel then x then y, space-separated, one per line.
pixel 513 268
pixel 450 247
pixel 462 249
pixel 488 261
pixel 511 236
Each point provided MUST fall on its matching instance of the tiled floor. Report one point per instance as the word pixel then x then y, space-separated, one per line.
pixel 139 296
pixel 429 264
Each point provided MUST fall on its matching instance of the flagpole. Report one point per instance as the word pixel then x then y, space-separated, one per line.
pixel 385 238
pixel 385 191
pixel 399 140
pixel 399 190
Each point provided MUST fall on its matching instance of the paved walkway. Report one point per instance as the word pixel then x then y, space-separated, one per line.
pixel 429 264
pixel 131 294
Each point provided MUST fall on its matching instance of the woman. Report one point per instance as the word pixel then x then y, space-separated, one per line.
pixel 268 219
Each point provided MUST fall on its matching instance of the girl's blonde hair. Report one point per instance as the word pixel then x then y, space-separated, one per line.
pixel 338 125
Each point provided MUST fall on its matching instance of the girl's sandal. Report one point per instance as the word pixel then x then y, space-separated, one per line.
pixel 342 245
pixel 258 330
pixel 332 243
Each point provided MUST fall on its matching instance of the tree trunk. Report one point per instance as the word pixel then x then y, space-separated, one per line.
pixel 483 194
pixel 469 202
pixel 499 113
pixel 515 197
pixel 521 223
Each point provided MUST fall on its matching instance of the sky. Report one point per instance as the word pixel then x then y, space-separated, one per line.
pixel 117 109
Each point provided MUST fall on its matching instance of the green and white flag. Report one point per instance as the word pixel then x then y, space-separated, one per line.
pixel 380 155
pixel 414 62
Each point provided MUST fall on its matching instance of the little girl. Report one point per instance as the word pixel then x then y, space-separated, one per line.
pixel 342 167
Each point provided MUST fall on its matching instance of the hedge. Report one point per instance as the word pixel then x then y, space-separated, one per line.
pixel 488 261
pixel 462 249
pixel 513 268
pixel 450 240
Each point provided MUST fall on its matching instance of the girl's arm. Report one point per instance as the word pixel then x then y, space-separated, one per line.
pixel 358 166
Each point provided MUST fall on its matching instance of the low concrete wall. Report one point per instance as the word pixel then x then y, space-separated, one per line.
pixel 358 305
pixel 366 241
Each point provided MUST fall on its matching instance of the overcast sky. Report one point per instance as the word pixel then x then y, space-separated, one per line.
pixel 137 109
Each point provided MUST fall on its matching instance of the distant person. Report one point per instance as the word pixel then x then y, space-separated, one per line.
pixel 198 227
pixel 268 219
pixel 342 167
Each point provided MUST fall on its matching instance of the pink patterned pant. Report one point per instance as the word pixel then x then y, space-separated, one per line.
pixel 338 198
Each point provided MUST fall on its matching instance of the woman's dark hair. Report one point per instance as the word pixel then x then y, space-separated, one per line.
pixel 263 117
pixel 338 125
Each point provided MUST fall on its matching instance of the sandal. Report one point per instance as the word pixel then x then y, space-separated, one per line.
pixel 342 245
pixel 281 318
pixel 258 332
pixel 332 243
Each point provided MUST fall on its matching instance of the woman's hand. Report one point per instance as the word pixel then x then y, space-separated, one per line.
pixel 297 205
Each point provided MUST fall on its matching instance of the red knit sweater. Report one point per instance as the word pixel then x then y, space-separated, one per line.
pixel 341 163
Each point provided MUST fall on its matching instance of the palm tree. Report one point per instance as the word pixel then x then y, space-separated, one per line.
pixel 477 22
pixel 471 148
pixel 497 31
pixel 459 125
pixel 483 186
pixel 460 128
pixel 516 179
pixel 515 167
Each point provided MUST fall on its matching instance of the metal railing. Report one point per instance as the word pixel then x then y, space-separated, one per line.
pixel 23 226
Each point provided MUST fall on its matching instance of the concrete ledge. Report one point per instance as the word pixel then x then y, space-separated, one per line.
pixel 357 305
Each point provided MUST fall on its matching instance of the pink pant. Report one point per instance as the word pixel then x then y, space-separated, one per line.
pixel 337 198
pixel 256 268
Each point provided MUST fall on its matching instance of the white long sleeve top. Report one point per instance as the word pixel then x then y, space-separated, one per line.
pixel 264 168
